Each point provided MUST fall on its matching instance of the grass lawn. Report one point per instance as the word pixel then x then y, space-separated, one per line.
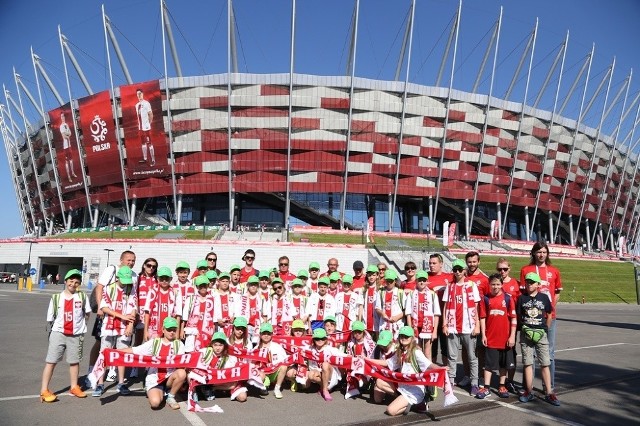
pixel 383 242
pixel 597 281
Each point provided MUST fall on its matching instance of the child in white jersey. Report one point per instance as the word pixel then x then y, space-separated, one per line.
pixel 348 305
pixel 68 314
pixel 197 315
pixel 161 381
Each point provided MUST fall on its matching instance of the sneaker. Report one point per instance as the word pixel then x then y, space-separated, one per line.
pixel 482 393
pixel 433 392
pixel 294 386
pixel 503 392
pixel 511 387
pixel 474 390
pixel 77 392
pixel 552 399
pixel 87 383
pixel 423 407
pixel 172 403
pixel 98 391
pixel 123 389
pixel 466 381
pixel 326 395
pixel 352 393
pixel 194 396
pixel 277 393
pixel 133 374
pixel 48 396
pixel 526 397
pixel 211 395
pixel 111 375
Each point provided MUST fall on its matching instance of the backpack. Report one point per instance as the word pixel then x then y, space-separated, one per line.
pixel 157 342
pixel 507 301
pixel 400 298
pixel 93 298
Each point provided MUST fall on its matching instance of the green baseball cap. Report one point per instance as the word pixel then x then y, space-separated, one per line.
pixel 277 280
pixel 357 326
pixel 314 265
pixel 219 336
pixel 73 273
pixel 330 318
pixel 372 269
pixel 125 275
pixel 266 327
pixel 202 264
pixel 384 338
pixel 182 265
pixel 303 273
pixel 224 275
pixel 319 333
pixel 390 274
pixel 240 322
pixel 170 322
pixel 263 274
pixel 422 274
pixel 458 262
pixel 234 268
pixel 532 276
pixel 201 280
pixel 406 331
pixel 211 274
pixel 165 271
pixel 297 283
pixel 323 281
pixel 297 324
pixel 335 276
pixel 347 279
pixel 253 280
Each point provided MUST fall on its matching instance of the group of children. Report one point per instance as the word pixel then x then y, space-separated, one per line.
pixel 370 314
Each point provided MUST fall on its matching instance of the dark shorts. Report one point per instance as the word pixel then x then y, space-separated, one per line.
pixel 496 359
pixel 97 328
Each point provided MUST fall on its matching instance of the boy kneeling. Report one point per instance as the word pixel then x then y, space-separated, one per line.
pixel 160 379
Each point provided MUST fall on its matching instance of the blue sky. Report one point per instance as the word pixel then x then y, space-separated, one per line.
pixel 321 45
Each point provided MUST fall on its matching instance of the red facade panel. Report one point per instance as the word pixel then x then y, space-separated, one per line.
pixel 334 103
pixel 269 90
pixel 214 102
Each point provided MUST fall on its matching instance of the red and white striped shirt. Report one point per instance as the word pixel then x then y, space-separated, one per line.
pixel 70 318
pixel 115 298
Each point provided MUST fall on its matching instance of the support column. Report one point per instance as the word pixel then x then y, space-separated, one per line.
pixel 571 229
pixel 132 220
pixel 96 212
pixel 588 231
pixel 499 209
pixel 613 244
pixel 390 205
pixel 551 239
pixel 179 210
pixel 526 223
pixel 68 221
pixel 431 227
pixel 467 231
pixel 603 244
pixel 420 217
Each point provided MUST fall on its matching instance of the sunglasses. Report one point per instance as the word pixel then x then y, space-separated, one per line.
pixel 277 288
pixel 171 330
pixel 284 264
pixel 212 259
pixel 150 265
pixel 411 268
pixel 249 257
pixel 320 338
pixel 382 269
pixel 503 269
pixel 457 269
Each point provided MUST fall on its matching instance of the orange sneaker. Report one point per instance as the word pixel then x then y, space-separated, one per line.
pixel 76 391
pixel 48 396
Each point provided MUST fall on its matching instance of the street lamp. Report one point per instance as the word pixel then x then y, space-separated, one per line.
pixel 108 253
pixel 28 267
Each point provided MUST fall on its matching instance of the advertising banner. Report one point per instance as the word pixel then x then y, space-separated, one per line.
pixel 145 140
pixel 99 139
pixel 67 155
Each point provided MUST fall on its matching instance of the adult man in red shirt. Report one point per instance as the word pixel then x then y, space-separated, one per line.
pixel 248 269
pixel 358 275
pixel 332 266
pixel 551 286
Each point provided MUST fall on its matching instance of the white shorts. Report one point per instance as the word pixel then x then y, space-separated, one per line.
pixel 115 342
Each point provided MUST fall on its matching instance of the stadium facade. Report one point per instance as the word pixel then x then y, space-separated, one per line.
pixel 342 151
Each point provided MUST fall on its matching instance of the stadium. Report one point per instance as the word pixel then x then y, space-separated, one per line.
pixel 342 151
